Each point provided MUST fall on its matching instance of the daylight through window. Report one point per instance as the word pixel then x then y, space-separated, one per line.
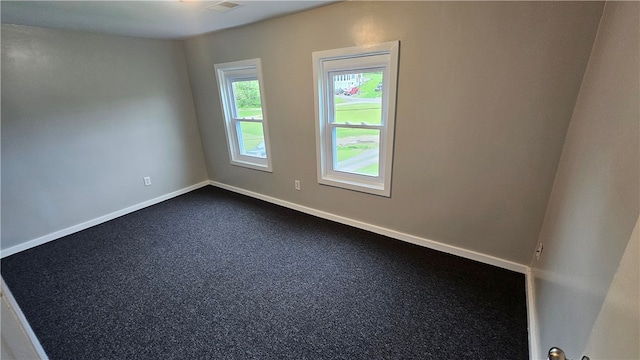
pixel 241 95
pixel 355 110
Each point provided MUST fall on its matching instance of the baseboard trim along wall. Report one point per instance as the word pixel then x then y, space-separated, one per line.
pixel 431 244
pixel 85 225
pixel 450 249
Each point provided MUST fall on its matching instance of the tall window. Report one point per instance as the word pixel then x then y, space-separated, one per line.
pixel 355 92
pixel 241 95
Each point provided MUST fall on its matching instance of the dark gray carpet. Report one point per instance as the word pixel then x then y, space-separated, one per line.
pixel 216 275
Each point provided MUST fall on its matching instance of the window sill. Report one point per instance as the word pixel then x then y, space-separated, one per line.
pixel 369 188
pixel 251 165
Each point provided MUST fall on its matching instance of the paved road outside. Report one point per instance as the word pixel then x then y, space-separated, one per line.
pixel 366 158
pixel 359 161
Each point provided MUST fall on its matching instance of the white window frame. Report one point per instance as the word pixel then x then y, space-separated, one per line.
pixel 379 57
pixel 227 73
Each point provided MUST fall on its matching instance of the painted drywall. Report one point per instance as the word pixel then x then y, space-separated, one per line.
pixel 485 94
pixel 595 200
pixel 617 329
pixel 84 118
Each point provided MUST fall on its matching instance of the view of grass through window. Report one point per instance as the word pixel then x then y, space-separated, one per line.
pixel 248 105
pixel 357 101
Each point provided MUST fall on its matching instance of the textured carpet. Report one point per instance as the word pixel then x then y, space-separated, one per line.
pixel 216 275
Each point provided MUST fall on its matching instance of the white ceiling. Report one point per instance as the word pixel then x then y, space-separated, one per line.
pixel 169 19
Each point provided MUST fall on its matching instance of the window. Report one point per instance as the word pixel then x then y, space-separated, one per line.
pixel 242 99
pixel 355 90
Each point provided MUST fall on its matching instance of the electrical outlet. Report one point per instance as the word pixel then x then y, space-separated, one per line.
pixel 539 251
pixel 297 184
pixel 147 180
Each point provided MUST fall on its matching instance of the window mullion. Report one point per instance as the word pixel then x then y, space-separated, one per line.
pixel 354 121
pixel 248 120
pixel 241 96
pixel 357 126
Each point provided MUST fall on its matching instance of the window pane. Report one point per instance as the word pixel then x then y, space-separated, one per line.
pixel 246 97
pixel 358 98
pixel 357 151
pixel 251 139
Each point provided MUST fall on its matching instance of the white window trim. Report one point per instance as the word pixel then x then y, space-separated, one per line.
pixel 226 73
pixel 357 57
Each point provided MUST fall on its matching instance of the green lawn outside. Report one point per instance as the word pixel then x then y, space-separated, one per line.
pixel 255 113
pixel 342 133
pixel 368 113
pixel 372 170
pixel 345 152
pixel 252 134
pixel 368 89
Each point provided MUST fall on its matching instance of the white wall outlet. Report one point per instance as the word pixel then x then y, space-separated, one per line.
pixel 539 251
pixel 296 183
pixel 147 180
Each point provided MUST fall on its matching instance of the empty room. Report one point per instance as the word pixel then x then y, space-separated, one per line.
pixel 320 180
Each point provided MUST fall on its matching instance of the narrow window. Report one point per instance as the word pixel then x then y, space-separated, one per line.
pixel 355 92
pixel 242 99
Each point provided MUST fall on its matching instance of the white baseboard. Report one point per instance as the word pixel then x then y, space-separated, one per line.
pixel 450 249
pixel 468 254
pixel 85 225
pixel 534 353
pixel 454 250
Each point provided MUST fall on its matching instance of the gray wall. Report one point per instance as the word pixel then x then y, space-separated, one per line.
pixel 617 330
pixel 84 118
pixel 595 200
pixel 485 94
